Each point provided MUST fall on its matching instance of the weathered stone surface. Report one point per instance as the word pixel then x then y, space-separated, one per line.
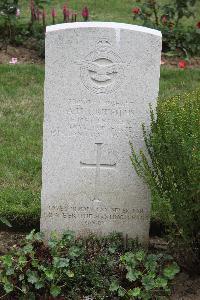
pixel 99 81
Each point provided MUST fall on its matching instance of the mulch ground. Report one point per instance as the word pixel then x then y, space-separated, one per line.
pixel 23 55
pixel 194 62
pixel 184 286
pixel 30 56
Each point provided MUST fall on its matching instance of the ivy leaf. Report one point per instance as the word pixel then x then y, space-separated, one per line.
pixel 8 287
pixel 70 274
pixel 27 249
pixel 39 284
pixel 30 236
pixel 49 274
pixel 10 271
pixel 151 263
pixel 74 251
pixel 7 260
pixel 161 282
pixel 32 276
pixel 68 236
pixel 134 292
pixel 35 263
pixel 39 236
pixel 140 255
pixel 114 286
pixel 132 275
pixel 148 282
pixel 171 270
pixel 22 260
pixel 60 262
pixel 53 241
pixel 112 249
pixel 34 236
pixel 146 295
pixel 121 292
pixel 55 290
pixel 129 259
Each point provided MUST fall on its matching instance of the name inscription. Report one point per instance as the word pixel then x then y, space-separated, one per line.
pixel 86 117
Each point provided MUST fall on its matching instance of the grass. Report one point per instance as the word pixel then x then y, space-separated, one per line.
pixel 100 10
pixel 21 107
pixel 176 81
pixel 21 116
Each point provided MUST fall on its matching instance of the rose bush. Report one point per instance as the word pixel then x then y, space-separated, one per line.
pixel 168 19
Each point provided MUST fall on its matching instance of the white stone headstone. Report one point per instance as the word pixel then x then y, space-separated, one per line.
pixel 99 81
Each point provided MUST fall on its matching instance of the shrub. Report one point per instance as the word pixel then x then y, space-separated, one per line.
pixel 173 169
pixel 8 13
pixel 70 268
pixel 167 18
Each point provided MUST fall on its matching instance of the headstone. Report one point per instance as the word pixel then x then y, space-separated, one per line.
pixel 99 81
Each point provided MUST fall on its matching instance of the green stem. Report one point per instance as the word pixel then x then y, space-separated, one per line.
pixel 177 21
pixel 155 14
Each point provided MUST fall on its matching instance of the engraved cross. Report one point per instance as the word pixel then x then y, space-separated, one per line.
pixel 98 167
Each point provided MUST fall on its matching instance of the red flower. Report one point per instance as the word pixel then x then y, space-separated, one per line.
pixel 53 13
pixel 85 13
pixel 66 13
pixel 64 9
pixel 182 64
pixel 198 25
pixel 164 19
pixel 136 10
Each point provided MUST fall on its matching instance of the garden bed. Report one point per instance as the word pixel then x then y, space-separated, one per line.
pixel 23 55
pixel 184 286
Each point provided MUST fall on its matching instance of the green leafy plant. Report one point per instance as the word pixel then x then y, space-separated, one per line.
pixel 167 18
pixel 8 10
pixel 70 268
pixel 147 276
pixel 5 222
pixel 155 14
pixel 172 167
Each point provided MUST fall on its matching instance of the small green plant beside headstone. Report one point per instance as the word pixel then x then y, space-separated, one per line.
pixel 71 268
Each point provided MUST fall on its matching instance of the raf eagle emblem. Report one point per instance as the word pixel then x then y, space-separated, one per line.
pixel 102 73
pixel 102 70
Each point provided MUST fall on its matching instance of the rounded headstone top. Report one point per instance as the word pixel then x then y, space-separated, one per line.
pixel 112 25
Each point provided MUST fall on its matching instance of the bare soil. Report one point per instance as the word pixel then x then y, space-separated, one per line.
pixel 23 55
pixel 194 62
pixel 184 286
